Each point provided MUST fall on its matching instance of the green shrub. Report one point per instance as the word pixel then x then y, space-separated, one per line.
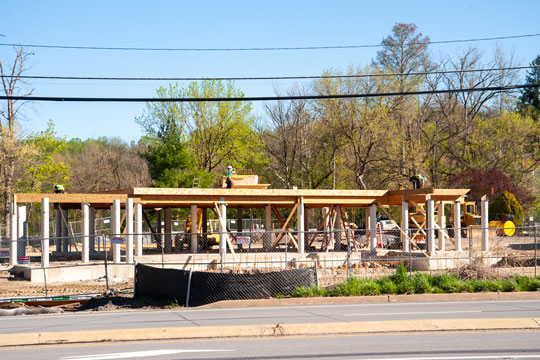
pixel 304 291
pixel 504 204
pixel 422 283
pixel 525 283
pixel 387 286
pixel 356 287
pixel 402 283
pixel 401 274
pixel 484 285
pixel 509 285
pixel 448 283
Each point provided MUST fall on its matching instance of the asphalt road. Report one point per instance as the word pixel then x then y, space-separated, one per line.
pixel 270 315
pixel 447 346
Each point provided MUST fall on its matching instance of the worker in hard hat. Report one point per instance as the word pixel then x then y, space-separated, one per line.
pixel 59 189
pixel 417 181
pixel 230 172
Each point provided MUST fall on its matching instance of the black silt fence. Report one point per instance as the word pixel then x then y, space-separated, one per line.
pixel 208 287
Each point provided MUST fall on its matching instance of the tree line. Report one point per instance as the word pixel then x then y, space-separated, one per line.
pixel 479 139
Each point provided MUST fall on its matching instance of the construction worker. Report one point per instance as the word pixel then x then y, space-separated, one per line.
pixel 228 181
pixel 59 189
pixel 417 181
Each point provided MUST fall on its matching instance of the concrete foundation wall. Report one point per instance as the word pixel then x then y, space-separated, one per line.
pixel 80 273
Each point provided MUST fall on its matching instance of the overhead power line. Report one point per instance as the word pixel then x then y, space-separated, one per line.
pixel 264 98
pixel 332 47
pixel 54 77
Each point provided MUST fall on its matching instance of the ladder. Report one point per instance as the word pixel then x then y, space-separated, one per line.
pixel 196 182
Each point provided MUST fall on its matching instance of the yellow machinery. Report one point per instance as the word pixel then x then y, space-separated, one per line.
pixel 212 228
pixel 504 228
pixel 471 219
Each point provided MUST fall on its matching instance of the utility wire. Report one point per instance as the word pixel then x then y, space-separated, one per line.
pixel 52 77
pixel 71 47
pixel 265 98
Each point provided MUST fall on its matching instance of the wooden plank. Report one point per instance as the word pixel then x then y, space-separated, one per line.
pixel 156 236
pixel 284 227
pixel 321 225
pixel 72 198
pixel 339 201
pixel 221 192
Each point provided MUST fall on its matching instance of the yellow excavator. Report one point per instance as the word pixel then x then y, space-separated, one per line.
pixel 212 229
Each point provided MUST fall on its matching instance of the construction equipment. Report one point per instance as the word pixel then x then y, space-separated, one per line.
pixel 504 226
pixel 212 230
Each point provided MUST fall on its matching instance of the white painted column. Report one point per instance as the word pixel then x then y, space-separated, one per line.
pixel 21 231
pixel 85 210
pixel 267 241
pixel 194 235
pixel 405 226
pixel 129 230
pixel 300 222
pixel 485 222
pixel 223 236
pixel 13 234
pixel 430 223
pixel 457 225
pixel 373 228
pixel 442 225
pixel 138 230
pixel 115 230
pixel 45 232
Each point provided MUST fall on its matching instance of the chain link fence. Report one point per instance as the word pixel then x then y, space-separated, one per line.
pixel 334 256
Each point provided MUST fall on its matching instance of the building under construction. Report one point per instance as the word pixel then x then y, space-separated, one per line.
pixel 286 213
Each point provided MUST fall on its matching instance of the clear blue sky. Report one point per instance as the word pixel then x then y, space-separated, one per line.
pixel 225 24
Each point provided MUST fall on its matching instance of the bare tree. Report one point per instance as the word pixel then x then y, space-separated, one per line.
pixel 299 149
pixel 10 145
pixel 106 164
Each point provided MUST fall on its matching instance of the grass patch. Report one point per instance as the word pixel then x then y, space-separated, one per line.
pixel 404 283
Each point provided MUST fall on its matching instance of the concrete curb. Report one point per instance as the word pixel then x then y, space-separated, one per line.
pixel 205 332
pixel 532 295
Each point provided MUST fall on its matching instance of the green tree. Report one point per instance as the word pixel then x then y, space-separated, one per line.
pixel 44 168
pixel 506 204
pixel 529 101
pixel 200 137
pixel 171 164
